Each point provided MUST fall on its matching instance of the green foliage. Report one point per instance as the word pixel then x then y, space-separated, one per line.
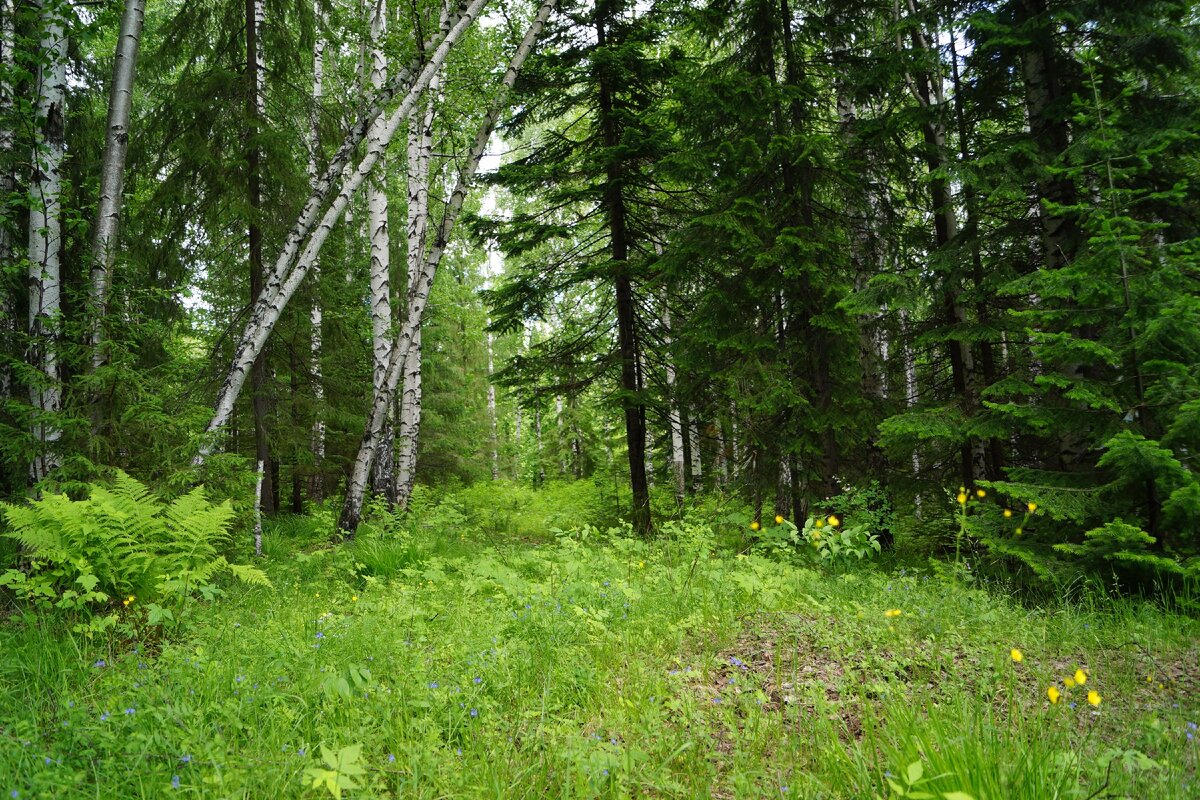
pixel 626 658
pixel 121 541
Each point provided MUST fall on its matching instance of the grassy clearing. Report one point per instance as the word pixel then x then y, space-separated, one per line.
pixel 451 665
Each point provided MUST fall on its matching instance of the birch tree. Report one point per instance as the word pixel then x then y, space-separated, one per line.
pixel 419 288
pixel 8 184
pixel 316 313
pixel 45 239
pixel 323 209
pixel 380 242
pixel 112 168
pixel 408 423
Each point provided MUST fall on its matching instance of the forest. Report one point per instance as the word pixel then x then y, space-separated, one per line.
pixel 600 398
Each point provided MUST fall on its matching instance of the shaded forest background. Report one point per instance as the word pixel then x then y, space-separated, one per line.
pixel 808 255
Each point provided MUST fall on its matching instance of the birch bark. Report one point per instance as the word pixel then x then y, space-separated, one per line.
pixel 679 479
pixel 419 288
pixel 380 241
pixel 112 168
pixel 491 405
pixel 8 324
pixel 313 227
pixel 45 240
pixel 420 153
pixel 316 486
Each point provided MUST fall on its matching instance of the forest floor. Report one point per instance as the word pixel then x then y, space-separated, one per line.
pixel 471 665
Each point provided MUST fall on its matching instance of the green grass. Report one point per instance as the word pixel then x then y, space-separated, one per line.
pixel 469 664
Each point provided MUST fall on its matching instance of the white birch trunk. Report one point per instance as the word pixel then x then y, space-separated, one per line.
pixel 316 313
pixel 408 427
pixel 697 473
pixel 491 405
pixel 537 432
pixel 910 391
pixel 310 234
pixel 419 292
pixel 722 461
pixel 112 169
pixel 45 241
pixel 258 487
pixel 380 241
pixel 558 418
pixel 678 477
pixel 8 324
pixel 648 436
pixel 408 430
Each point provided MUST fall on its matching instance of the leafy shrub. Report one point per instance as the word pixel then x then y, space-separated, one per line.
pixel 120 542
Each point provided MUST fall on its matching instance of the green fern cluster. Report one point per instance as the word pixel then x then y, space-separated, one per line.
pixel 121 540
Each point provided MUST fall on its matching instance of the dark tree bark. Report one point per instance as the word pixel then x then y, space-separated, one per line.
pixel 614 202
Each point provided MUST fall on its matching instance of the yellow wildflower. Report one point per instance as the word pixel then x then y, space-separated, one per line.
pixel 778 519
pixel 820 523
pixel 834 521
pixel 1080 677
pixel 893 612
pixel 754 525
pixel 980 493
pixel 1069 683
pixel 1053 693
pixel 1019 531
pixel 1032 507
pixel 641 565
pixel 353 598
pixel 1094 697
pixel 1016 655
pixel 128 600
pixel 962 498
pixel 1008 513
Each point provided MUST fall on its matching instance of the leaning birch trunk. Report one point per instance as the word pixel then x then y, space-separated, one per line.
pixel 112 169
pixel 316 313
pixel 377 225
pixel 8 184
pixel 673 420
pixel 419 293
pixel 420 152
pixel 45 241
pixel 312 228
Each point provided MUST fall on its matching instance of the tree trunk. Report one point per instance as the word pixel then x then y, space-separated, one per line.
pixel 45 242
pixel 8 184
pixel 377 225
pixel 420 151
pixel 408 428
pixel 678 477
pixel 258 496
pixel 112 169
pixel 614 207
pixel 312 227
pixel 491 406
pixel 419 292
pixel 256 105
pixel 929 94
pixel 316 486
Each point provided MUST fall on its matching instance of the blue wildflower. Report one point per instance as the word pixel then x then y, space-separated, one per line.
pixel 174 781
pixel 433 685
pixel 300 752
pixel 104 716
pixel 474 712
pixel 478 680
pixel 391 758
pixel 129 711
pixel 99 663
pixel 320 634
pixel 187 759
